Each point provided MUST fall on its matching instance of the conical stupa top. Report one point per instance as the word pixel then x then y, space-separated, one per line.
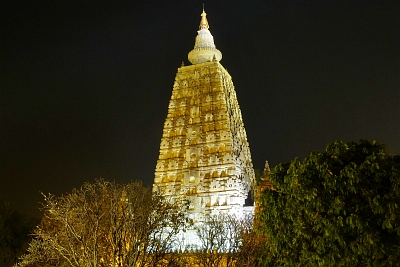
pixel 204 47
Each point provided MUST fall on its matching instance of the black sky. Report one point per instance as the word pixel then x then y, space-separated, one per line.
pixel 85 85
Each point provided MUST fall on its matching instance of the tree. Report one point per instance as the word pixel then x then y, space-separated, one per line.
pixel 15 228
pixel 225 240
pixel 251 244
pixel 214 237
pixel 337 208
pixel 106 224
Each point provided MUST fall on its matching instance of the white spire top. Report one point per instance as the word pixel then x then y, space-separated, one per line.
pixel 204 47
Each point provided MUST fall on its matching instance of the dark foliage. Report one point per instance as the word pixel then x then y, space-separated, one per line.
pixel 337 208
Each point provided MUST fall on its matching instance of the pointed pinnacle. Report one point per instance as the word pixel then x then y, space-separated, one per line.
pixel 203 21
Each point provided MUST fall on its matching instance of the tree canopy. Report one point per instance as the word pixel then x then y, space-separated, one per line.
pixel 106 224
pixel 336 208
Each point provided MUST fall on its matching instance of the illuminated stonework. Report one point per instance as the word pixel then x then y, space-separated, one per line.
pixel 204 154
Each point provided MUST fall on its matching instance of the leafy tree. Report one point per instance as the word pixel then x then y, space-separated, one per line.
pixel 15 228
pixel 106 224
pixel 337 208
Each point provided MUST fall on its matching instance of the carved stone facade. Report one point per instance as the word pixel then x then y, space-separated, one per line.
pixel 204 154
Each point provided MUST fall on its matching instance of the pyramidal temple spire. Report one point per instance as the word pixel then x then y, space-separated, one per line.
pixel 204 48
pixel 204 160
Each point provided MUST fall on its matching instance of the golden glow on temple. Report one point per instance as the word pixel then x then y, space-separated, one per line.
pixel 204 154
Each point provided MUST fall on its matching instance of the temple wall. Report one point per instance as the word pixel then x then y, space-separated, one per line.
pixel 204 154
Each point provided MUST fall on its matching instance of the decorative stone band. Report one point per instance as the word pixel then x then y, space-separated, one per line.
pixel 204 54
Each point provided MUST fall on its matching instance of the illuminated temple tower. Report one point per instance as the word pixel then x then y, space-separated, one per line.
pixel 204 154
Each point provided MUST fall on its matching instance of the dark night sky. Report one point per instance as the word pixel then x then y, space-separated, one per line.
pixel 85 85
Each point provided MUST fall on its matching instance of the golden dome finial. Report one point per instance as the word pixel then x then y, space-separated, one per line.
pixel 203 21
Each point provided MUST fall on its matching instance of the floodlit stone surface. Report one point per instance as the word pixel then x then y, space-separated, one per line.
pixel 204 154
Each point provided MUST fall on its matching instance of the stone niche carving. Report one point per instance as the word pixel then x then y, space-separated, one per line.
pixel 231 184
pixel 173 164
pixel 224 135
pixel 176 141
pixel 193 131
pixel 184 190
pixel 157 179
pixel 192 154
pixel 180 121
pixel 194 111
pixel 164 143
pixel 228 158
pixel 213 160
pixel 168 123
pixel 215 185
pixel 210 137
pixel 200 188
pixel 208 117
pixel 221 115
pixel 160 166
pixel 170 189
pixel 200 163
